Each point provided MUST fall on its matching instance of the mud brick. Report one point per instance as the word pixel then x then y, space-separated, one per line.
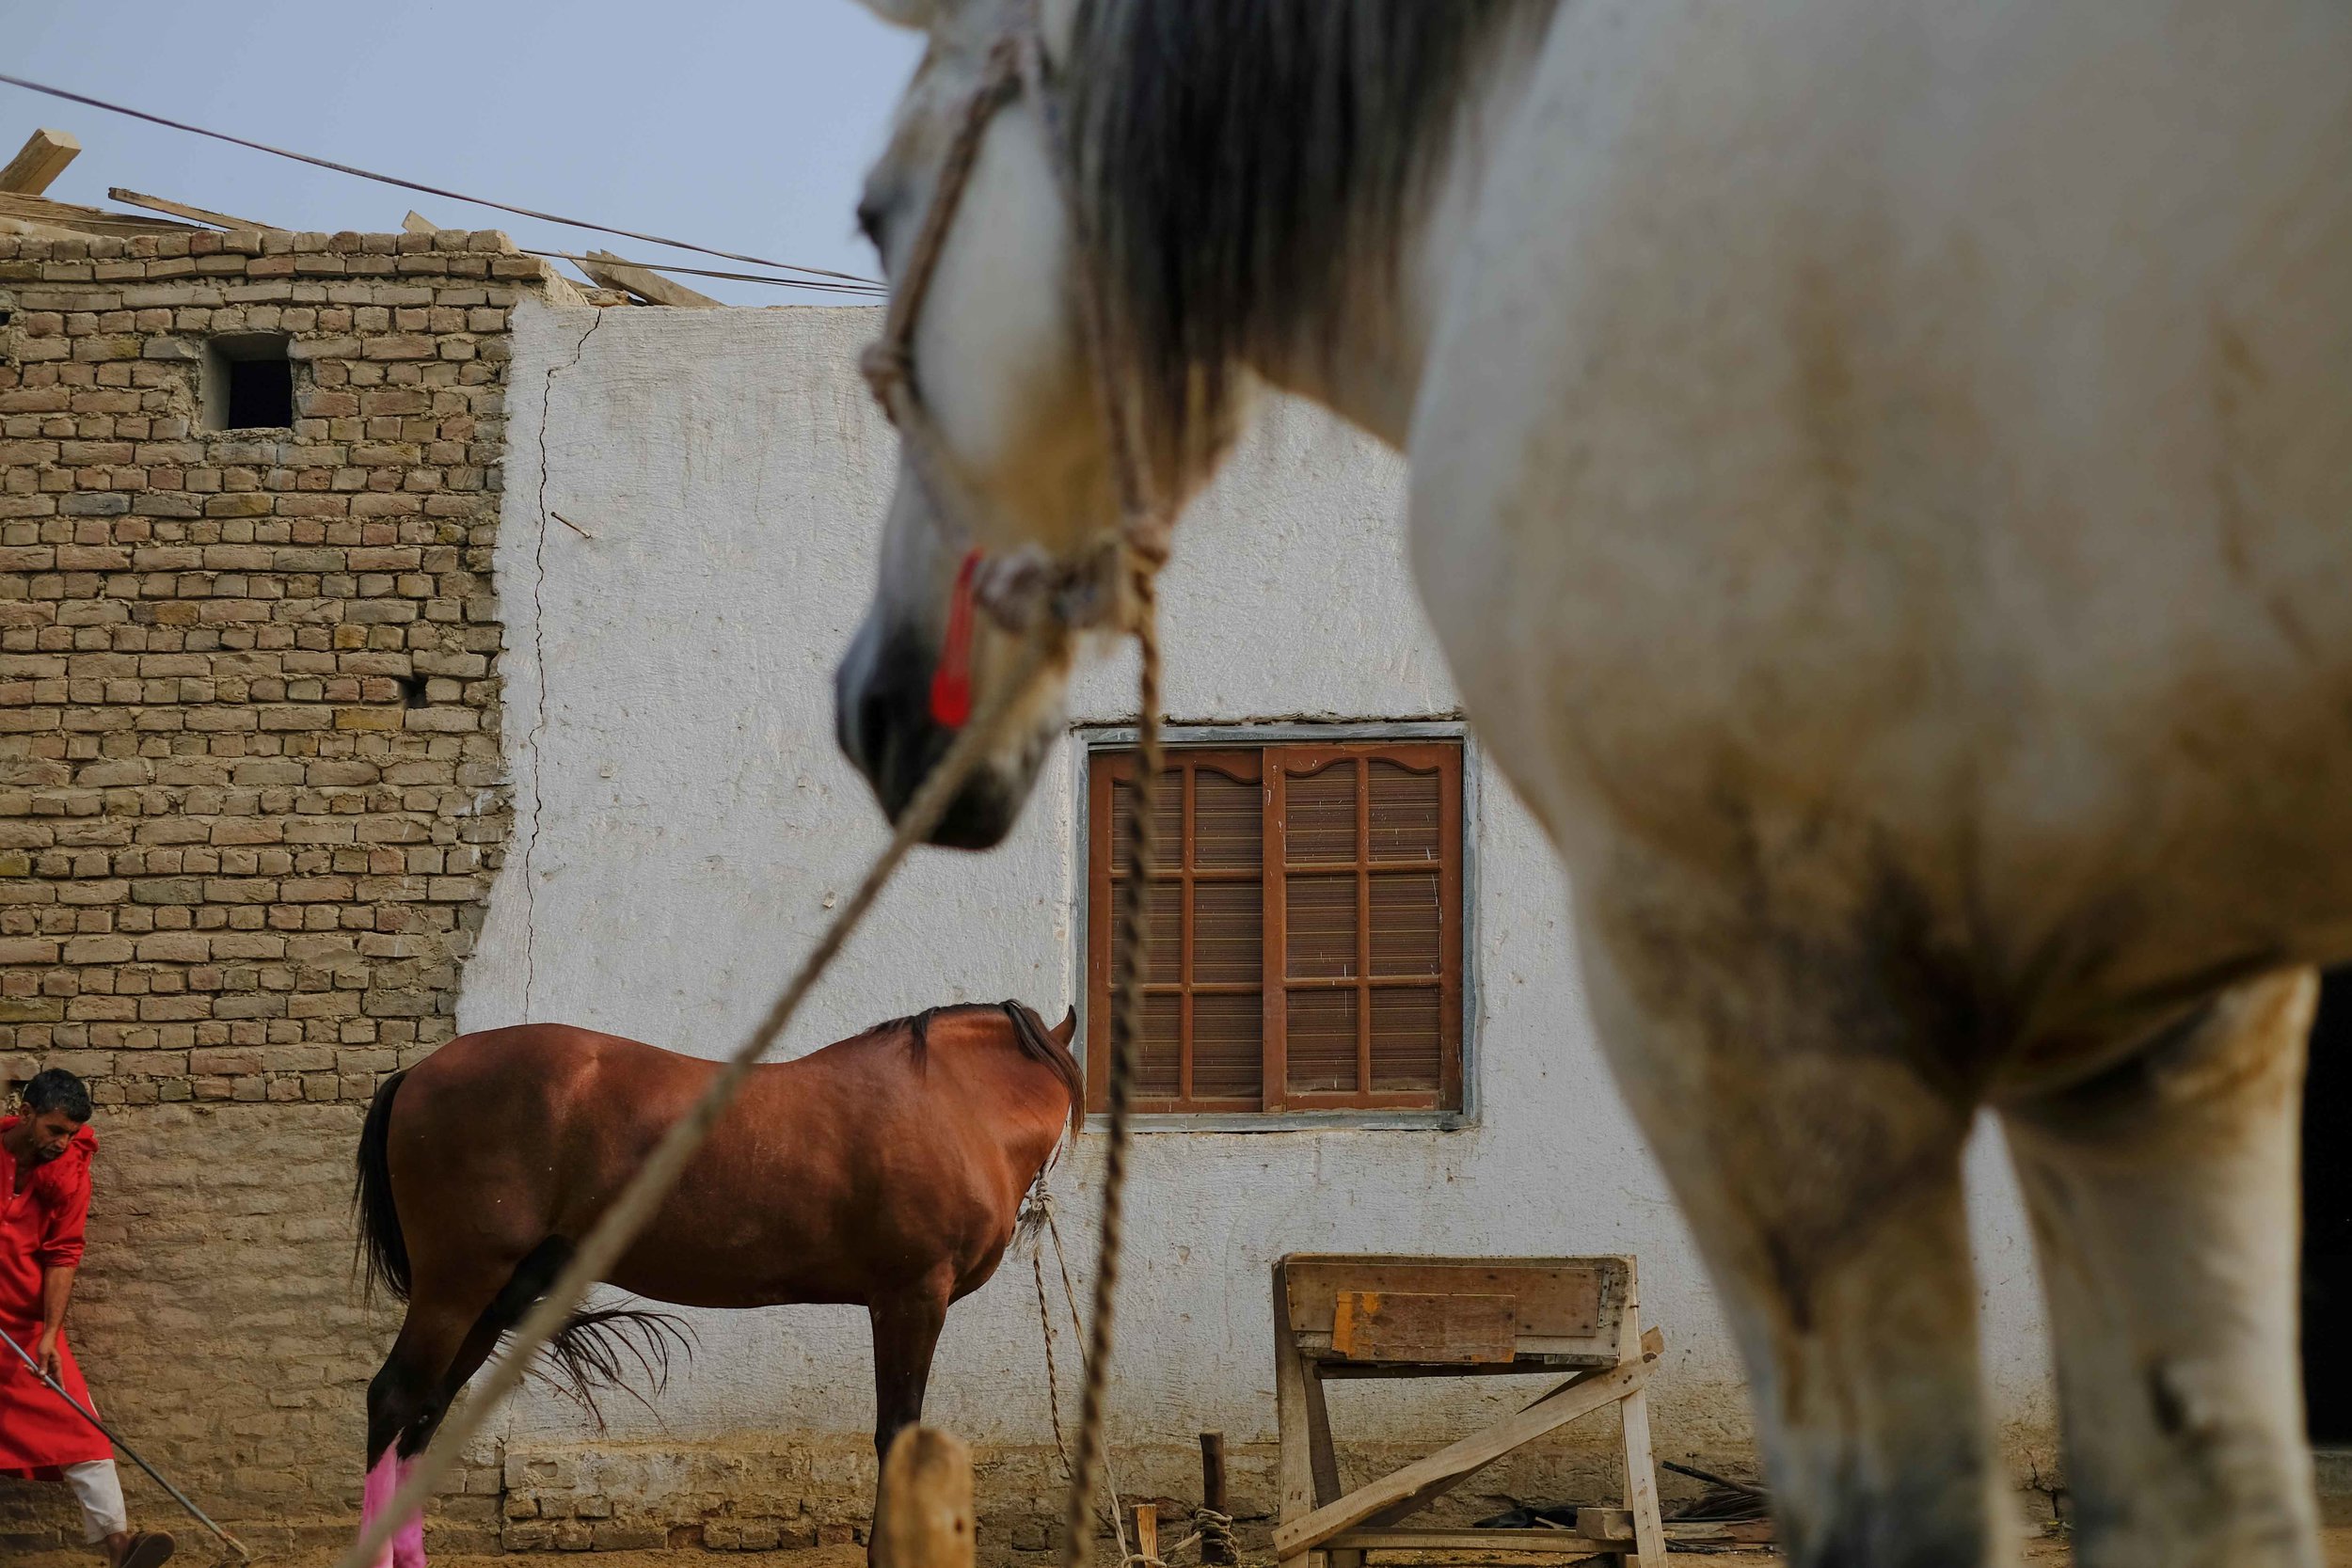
pixel 192 911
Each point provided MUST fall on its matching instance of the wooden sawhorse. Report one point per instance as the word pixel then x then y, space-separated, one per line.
pixel 1338 1316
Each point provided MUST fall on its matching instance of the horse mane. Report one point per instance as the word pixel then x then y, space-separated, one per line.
pixel 1028 1032
pixel 1236 159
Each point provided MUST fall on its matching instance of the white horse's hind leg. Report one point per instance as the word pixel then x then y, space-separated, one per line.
pixel 2164 1196
pixel 1821 1172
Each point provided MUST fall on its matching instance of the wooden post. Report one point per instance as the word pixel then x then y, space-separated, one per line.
pixel 1641 1472
pixel 923 1516
pixel 1219 1551
pixel 1147 1531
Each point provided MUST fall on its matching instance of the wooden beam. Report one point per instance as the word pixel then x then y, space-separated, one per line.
pixel 182 209
pixel 1450 1463
pixel 86 220
pixel 40 160
pixel 417 223
pixel 611 272
pixel 1609 1527
pixel 923 1513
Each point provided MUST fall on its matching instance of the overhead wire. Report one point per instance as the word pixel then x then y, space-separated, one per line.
pixel 428 190
pixel 876 290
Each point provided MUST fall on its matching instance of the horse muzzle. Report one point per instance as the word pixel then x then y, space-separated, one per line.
pixel 884 720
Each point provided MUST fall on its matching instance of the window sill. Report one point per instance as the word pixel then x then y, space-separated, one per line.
pixel 1293 1122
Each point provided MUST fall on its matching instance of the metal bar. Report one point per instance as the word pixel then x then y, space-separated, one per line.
pixel 92 1416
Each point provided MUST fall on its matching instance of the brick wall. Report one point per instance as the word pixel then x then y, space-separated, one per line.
pixel 250 795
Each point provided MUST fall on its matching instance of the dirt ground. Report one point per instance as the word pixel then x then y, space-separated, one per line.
pixel 2040 1554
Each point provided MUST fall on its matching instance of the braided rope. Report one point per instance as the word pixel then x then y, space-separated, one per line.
pixel 1134 943
pixel 1111 1515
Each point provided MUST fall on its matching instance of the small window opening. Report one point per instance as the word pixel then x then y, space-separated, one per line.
pixel 411 689
pixel 248 382
pixel 6 316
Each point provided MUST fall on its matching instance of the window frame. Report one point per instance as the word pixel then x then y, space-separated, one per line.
pixel 1293 1117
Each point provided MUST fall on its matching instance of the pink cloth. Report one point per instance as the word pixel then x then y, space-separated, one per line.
pixel 407 1547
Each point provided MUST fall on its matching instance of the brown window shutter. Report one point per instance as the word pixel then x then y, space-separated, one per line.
pixel 1367 897
pixel 1202 1003
pixel 1306 923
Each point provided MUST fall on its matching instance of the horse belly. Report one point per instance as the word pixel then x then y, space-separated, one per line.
pixel 1918 432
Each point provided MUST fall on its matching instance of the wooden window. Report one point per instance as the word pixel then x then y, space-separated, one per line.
pixel 1306 928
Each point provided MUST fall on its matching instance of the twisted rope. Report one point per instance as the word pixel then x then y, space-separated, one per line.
pixel 1044 1202
pixel 1134 942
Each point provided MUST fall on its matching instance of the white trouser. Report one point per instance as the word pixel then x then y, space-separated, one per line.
pixel 99 1490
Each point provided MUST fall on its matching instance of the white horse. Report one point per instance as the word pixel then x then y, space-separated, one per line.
pixel 1881 472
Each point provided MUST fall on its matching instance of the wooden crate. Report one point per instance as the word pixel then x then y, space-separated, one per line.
pixel 1380 1315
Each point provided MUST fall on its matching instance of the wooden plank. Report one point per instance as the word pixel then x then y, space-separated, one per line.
pixel 1568 1543
pixel 182 209
pixel 1322 1454
pixel 1557 1298
pixel 1294 1464
pixel 86 220
pixel 1641 1482
pixel 1605 1524
pixel 1652 1345
pixel 1334 1371
pixel 923 1512
pixel 1457 1460
pixel 39 160
pixel 1424 1327
pixel 604 267
pixel 1738 1532
pixel 1147 1531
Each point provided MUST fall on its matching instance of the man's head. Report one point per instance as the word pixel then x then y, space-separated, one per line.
pixel 55 1104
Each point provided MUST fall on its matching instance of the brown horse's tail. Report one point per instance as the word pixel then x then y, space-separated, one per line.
pixel 595 1350
pixel 383 1246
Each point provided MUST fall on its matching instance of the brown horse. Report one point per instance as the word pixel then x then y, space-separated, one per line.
pixel 885 1170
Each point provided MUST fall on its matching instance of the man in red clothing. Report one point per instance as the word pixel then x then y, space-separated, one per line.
pixel 45 1152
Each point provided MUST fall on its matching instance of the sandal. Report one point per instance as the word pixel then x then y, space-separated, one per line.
pixel 149 1549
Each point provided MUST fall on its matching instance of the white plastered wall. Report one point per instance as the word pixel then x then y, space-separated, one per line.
pixel 692 500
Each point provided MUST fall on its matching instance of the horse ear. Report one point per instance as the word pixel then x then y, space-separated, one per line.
pixel 917 14
pixel 1067 1027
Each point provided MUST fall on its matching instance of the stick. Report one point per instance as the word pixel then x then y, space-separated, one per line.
pixel 1725 1481
pixel 92 1416
pixel 1215 1549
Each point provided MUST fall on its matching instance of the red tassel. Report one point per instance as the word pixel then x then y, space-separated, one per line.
pixel 951 683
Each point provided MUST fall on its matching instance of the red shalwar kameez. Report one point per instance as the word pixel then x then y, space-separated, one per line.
pixel 40 1228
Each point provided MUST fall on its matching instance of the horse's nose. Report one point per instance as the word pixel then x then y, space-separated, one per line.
pixel 879 720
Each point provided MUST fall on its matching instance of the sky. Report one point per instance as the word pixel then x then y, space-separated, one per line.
pixel 744 126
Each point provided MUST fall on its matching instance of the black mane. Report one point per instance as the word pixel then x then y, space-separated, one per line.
pixel 1236 157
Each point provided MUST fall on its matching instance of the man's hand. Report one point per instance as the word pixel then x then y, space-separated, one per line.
pixel 52 1359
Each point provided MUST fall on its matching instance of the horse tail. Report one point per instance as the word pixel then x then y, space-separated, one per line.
pixel 598 1350
pixel 383 1246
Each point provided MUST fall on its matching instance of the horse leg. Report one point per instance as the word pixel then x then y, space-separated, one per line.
pixel 524 1284
pixel 906 1332
pixel 2163 1195
pixel 398 1396
pixel 1817 1157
